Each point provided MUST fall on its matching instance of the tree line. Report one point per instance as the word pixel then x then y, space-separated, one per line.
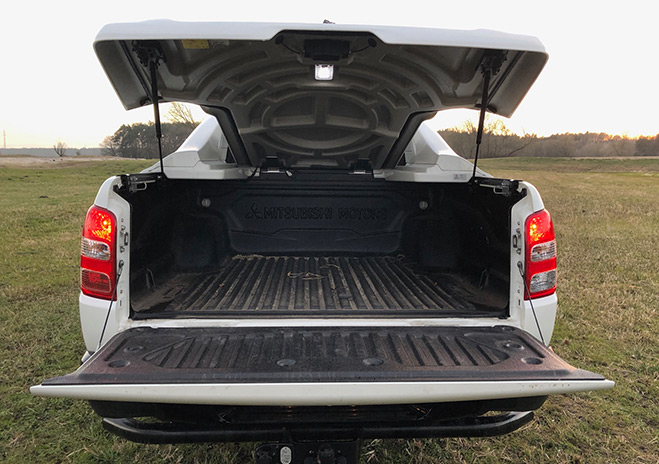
pixel 139 140
pixel 499 141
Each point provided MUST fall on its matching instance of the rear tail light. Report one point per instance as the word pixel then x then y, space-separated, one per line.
pixel 97 254
pixel 540 269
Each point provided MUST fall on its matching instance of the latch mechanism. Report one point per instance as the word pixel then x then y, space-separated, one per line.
pixel 505 187
pixel 361 166
pixel 517 241
pixel 138 182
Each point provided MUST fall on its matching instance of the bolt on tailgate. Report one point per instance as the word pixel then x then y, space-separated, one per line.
pixel 346 364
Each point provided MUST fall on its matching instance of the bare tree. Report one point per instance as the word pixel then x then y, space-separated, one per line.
pixel 621 145
pixel 501 141
pixel 109 146
pixel 461 138
pixel 60 148
pixel 180 113
pixel 498 139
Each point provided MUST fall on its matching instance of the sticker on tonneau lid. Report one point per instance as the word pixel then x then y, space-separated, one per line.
pixel 197 44
pixel 460 176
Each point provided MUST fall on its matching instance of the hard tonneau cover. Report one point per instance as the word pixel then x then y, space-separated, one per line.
pixel 260 81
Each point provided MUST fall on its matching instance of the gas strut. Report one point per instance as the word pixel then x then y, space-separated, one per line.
pixel 151 55
pixel 490 66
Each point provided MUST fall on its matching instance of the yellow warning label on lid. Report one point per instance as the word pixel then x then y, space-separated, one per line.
pixel 195 44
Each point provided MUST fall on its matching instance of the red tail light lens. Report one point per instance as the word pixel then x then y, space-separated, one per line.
pixel 97 253
pixel 540 255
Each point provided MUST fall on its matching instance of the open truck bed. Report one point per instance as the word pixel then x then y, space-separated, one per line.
pixel 310 286
pixel 318 244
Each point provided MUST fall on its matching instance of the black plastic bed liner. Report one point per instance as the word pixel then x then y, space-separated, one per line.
pixel 306 285
pixel 321 354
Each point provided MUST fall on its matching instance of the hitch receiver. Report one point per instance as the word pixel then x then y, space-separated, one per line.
pixel 341 452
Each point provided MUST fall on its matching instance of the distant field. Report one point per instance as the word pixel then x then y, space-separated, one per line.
pixel 607 223
pixel 629 164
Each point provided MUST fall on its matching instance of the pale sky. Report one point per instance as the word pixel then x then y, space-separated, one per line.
pixel 602 74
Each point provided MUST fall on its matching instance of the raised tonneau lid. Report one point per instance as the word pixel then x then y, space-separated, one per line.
pixel 323 95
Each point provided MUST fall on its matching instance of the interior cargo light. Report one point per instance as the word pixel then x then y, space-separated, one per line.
pixel 324 72
pixel 540 271
pixel 98 254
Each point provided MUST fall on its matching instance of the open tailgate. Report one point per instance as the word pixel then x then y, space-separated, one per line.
pixel 306 366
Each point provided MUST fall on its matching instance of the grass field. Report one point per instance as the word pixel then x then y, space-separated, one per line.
pixel 607 223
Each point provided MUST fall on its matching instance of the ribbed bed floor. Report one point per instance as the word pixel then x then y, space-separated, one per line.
pixel 286 284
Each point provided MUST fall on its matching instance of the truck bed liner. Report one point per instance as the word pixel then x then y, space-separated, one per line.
pixel 307 284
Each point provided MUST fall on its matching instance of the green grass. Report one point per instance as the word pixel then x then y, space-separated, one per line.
pixel 607 223
pixel 571 165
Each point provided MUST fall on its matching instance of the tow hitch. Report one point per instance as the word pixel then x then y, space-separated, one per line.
pixel 343 452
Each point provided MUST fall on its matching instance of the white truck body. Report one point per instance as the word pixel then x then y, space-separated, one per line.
pixel 394 244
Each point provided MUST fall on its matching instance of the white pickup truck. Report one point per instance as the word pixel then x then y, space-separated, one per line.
pixel 314 265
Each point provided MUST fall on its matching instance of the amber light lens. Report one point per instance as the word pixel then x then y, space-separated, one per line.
pixel 99 224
